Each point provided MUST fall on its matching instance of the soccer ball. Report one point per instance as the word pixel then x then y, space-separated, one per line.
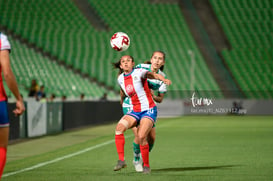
pixel 120 41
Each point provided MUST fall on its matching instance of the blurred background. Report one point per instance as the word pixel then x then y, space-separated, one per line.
pixel 211 45
pixel 216 50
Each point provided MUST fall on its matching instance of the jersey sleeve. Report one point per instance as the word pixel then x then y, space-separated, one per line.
pixel 162 88
pixel 143 66
pixel 143 73
pixel 138 66
pixel 119 80
pixel 4 44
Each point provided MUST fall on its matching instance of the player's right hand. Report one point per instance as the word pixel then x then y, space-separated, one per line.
pixel 20 108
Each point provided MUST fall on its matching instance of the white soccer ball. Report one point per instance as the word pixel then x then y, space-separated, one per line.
pixel 120 41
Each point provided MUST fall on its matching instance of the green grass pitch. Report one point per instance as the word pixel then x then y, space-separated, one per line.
pixel 201 148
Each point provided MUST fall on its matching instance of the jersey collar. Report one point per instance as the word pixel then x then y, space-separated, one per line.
pixel 125 75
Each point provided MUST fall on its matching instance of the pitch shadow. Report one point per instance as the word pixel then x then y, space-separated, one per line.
pixel 181 169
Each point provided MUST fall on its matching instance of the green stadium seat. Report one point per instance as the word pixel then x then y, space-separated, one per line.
pixel 28 65
pixel 248 36
pixel 59 28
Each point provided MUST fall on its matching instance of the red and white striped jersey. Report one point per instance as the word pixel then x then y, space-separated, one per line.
pixel 135 86
pixel 4 45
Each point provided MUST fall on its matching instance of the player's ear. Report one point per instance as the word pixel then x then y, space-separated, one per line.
pixel 133 64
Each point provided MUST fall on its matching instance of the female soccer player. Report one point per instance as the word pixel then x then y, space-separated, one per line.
pixel 5 68
pixel 133 83
pixel 155 65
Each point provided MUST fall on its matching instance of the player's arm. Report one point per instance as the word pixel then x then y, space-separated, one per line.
pixel 161 93
pixel 159 98
pixel 11 81
pixel 152 75
pixel 122 96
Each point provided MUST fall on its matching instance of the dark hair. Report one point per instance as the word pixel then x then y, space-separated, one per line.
pixel 148 62
pixel 164 56
pixel 116 65
pixel 162 68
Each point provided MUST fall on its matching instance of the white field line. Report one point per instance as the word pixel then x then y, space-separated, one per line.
pixel 61 158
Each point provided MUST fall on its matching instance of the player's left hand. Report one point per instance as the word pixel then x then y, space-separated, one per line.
pixel 167 82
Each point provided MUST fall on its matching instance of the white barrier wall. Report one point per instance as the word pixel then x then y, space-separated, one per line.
pixel 170 108
pixel 36 118
pixel 173 108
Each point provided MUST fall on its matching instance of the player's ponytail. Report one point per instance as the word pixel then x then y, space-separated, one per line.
pixel 116 65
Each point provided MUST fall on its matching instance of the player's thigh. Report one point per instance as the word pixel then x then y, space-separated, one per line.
pixel 4 136
pixel 126 122
pixel 131 120
pixel 145 127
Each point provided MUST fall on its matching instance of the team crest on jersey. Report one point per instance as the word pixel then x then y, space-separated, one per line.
pixel 129 89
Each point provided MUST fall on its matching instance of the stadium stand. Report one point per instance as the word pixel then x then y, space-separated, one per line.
pixel 58 80
pixel 159 26
pixel 248 26
pixel 59 28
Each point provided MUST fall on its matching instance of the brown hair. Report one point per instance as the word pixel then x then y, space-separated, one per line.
pixel 116 65
pixel 164 55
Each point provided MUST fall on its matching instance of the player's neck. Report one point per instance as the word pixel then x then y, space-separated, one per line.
pixel 154 69
pixel 128 71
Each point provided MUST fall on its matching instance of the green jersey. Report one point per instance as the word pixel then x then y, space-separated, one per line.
pixel 154 84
